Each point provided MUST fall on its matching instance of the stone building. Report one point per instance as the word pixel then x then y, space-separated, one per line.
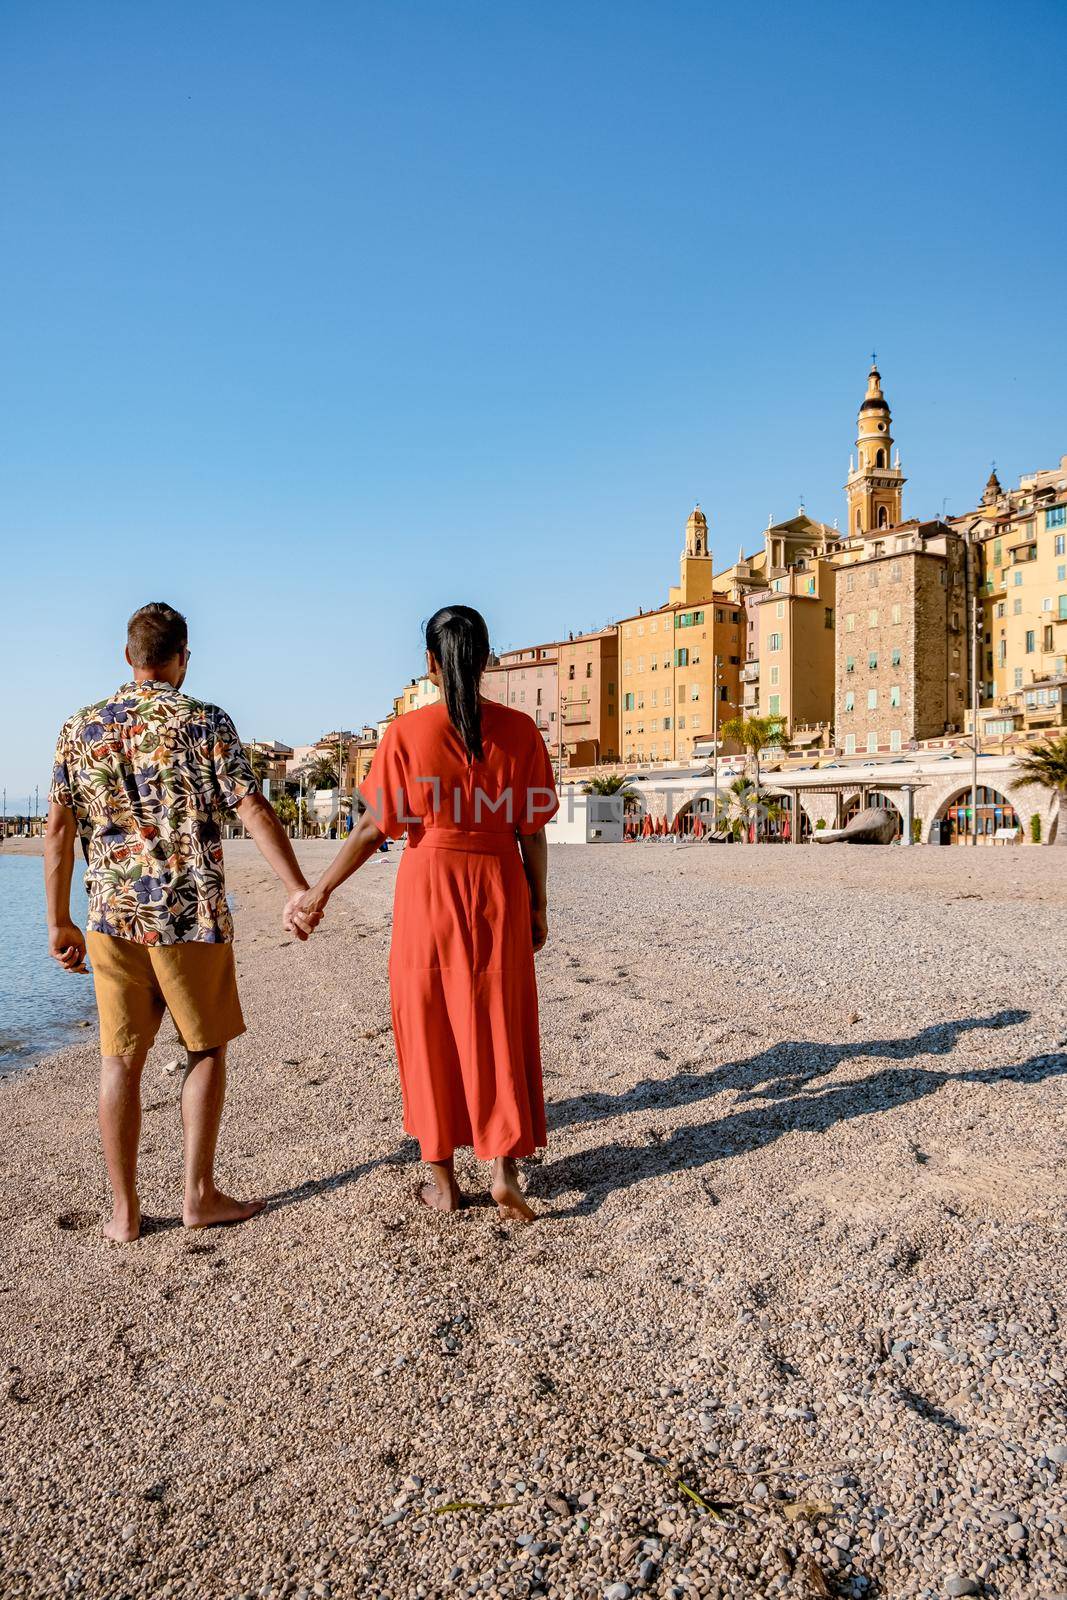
pixel 680 663
pixel 901 638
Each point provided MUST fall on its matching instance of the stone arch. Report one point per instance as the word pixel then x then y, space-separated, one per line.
pixel 951 822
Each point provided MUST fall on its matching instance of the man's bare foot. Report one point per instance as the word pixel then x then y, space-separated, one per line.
pixel 218 1210
pixel 123 1226
pixel 510 1201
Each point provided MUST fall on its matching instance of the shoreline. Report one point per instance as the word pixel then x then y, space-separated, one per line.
pixel 801 1241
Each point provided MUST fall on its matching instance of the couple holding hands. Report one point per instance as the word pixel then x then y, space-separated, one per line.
pixel 144 781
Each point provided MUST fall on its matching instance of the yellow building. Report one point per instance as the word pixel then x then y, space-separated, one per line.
pixel 793 635
pixel 672 694
pixel 1021 538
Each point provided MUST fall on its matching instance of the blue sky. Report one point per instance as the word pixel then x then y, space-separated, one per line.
pixel 316 317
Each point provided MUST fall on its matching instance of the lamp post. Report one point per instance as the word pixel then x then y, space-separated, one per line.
pixel 715 740
pixel 974 718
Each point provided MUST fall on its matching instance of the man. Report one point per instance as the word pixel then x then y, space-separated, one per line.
pixel 145 779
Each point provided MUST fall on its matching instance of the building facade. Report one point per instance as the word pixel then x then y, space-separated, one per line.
pixel 680 664
pixel 902 638
pixel 528 679
pixel 587 669
pixel 1021 539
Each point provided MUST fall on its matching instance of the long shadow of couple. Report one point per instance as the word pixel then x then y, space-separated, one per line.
pixel 784 1080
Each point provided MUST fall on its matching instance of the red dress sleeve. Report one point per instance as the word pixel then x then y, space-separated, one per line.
pixel 384 790
pixel 539 800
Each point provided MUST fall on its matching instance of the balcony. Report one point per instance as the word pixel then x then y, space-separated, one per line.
pixel 750 672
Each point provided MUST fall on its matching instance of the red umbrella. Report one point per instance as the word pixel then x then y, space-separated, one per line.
pixel 646 827
pixel 698 828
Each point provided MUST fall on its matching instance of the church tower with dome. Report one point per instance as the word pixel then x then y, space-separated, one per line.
pixel 875 484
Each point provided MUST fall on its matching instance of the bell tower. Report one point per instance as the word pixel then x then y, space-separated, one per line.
pixel 695 581
pixel 875 487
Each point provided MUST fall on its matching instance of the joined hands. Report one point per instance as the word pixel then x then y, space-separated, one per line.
pixel 303 913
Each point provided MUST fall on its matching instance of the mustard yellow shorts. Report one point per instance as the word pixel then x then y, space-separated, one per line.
pixel 135 983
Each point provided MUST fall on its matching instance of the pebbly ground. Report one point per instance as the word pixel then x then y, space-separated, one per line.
pixel 791 1322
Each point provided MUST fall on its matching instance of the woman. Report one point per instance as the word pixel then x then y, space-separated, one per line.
pixel 472 784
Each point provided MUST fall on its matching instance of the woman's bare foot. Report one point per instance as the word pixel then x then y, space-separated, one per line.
pixel 124 1224
pixel 216 1210
pixel 440 1192
pixel 510 1201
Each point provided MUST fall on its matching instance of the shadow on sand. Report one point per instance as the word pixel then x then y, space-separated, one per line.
pixel 784 1080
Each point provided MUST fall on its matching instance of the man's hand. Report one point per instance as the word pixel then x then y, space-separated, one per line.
pixel 539 927
pixel 303 913
pixel 66 945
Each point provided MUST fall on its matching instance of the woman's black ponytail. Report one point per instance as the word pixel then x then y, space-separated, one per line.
pixel 458 639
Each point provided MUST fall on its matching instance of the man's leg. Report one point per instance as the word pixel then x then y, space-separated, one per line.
pixel 120 1133
pixel 203 1095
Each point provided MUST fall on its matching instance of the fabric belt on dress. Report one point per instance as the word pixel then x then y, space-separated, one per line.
pixel 482 843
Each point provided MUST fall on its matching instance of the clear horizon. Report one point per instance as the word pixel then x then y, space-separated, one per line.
pixel 316 322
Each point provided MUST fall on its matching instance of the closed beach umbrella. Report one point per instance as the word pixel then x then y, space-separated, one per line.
pixel 646 826
pixel 698 827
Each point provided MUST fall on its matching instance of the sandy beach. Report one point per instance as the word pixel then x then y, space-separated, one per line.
pixel 791 1321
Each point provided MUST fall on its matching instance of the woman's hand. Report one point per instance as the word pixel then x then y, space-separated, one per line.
pixel 304 911
pixel 539 926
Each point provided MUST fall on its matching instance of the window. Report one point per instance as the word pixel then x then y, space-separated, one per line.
pixel 872 743
pixel 850 744
pixel 879 461
pixel 775 677
pixel 1061 574
pixel 627 667
pixel 894 739
pixel 850 663
pixel 850 622
pixel 724 693
pixel 1018 577
pixel 1061 539
pixel 1056 517
pixel 774 642
pixel 872 661
pixel 850 579
pixel 894 572
pixel 653 625
pixel 681 722
pixel 589 669
pixel 640 663
pixel 1062 613
pixel 872 619
pixel 895 613
pixel 1018 677
pixel 775 705
pixel 694 691
pixel 872 699
pixel 850 700
pixel 1046 639
pixel 1029 641
pixel 681 658
pixel 666 724
pixel 1000 608
pixel 828 616
pixel 894 694
pixel 694 722
pixel 872 578
pixel 1017 608
pixel 779 609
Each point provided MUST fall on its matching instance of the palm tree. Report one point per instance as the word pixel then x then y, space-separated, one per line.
pixel 285 806
pixel 322 774
pixel 737 808
pixel 257 760
pixel 1047 765
pixel 754 735
pixel 614 783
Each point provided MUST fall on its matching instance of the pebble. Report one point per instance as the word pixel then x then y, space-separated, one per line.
pixel 962 1586
pixel 617 1591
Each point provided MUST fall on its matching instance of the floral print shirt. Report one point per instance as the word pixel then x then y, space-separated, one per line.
pixel 150 775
